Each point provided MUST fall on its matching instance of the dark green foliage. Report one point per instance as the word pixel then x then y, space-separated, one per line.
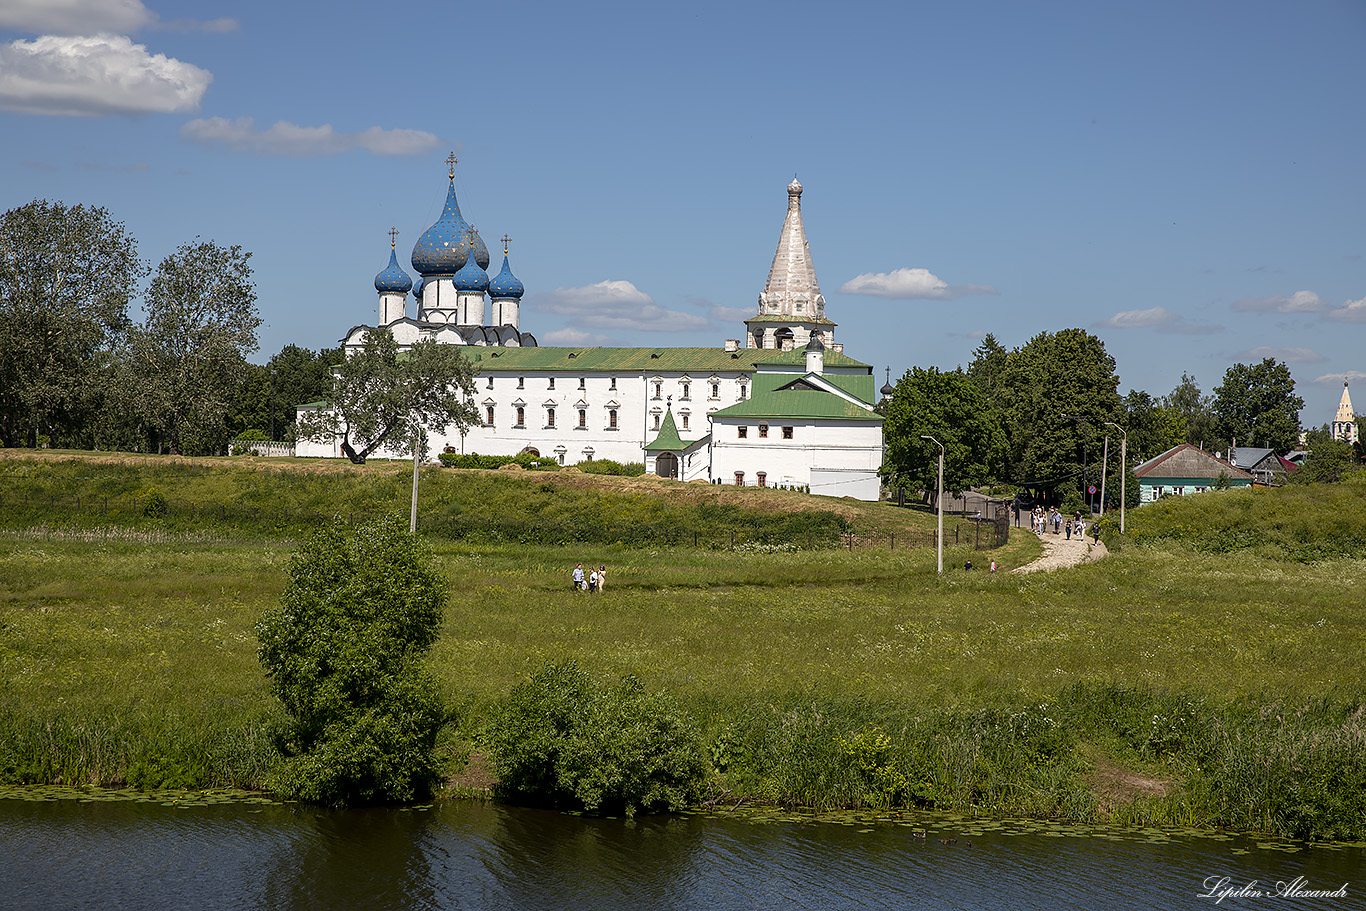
pixel 1329 461
pixel 609 467
pixel 1195 413
pixel 344 654
pixel 475 460
pixel 1256 405
pixel 952 408
pixel 67 276
pixel 563 740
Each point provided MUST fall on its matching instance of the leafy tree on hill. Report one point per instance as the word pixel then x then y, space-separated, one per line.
pixel 952 408
pixel 1196 412
pixel 1153 428
pixel 67 275
pixel 383 397
pixel 1056 374
pixel 190 353
pixel 269 396
pixel 344 652
pixel 1256 405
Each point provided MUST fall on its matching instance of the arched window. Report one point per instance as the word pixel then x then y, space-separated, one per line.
pixel 583 417
pixel 488 415
pixel 612 418
pixel 521 416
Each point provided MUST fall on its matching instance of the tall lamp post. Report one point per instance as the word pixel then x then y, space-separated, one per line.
pixel 272 404
pixel 939 502
pixel 1085 458
pixel 1123 468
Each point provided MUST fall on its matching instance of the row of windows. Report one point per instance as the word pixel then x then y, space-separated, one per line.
pixel 685 389
pixel 760 476
pixel 684 419
pixel 742 433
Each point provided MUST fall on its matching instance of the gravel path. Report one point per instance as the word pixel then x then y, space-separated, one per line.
pixel 1059 552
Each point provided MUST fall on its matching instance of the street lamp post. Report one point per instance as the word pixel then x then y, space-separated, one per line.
pixel 1085 459
pixel 939 503
pixel 1104 470
pixel 272 404
pixel 1123 468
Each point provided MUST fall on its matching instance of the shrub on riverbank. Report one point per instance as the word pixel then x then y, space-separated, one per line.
pixel 563 740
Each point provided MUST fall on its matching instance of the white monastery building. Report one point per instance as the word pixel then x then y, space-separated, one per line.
pixel 784 407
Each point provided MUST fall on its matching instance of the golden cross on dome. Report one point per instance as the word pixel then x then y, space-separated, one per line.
pixel 452 161
pixel 506 240
pixel 393 233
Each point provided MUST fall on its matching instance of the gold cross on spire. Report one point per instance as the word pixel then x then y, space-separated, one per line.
pixel 506 240
pixel 393 233
pixel 452 161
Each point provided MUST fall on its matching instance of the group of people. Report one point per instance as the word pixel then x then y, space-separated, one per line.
pixel 1042 520
pixel 595 581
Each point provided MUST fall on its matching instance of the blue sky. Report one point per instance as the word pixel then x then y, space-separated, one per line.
pixel 1183 179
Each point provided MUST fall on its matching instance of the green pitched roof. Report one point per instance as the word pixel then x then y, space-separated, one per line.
pixel 779 318
pixel 668 438
pixel 797 403
pixel 646 360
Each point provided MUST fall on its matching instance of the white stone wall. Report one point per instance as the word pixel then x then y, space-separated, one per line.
pixel 836 455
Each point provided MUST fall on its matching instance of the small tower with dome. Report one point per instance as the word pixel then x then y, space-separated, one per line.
pixel 505 293
pixel 470 283
pixel 1345 422
pixel 393 285
pixel 791 307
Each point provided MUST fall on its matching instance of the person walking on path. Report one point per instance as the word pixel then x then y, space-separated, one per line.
pixel 578 578
pixel 593 582
pixel 602 578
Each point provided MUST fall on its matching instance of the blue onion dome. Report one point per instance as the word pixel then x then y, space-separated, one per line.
pixel 393 278
pixel 417 289
pixel 506 286
pixel 481 252
pixel 471 277
pixel 443 248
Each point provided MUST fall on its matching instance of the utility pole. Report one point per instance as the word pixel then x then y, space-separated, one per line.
pixel 1104 470
pixel 1123 469
pixel 417 456
pixel 939 503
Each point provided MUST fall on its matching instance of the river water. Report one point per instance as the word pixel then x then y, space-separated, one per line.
pixel 66 854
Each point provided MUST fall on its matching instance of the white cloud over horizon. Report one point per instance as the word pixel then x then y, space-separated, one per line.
pixel 285 138
pixel 94 76
pixel 616 304
pixel 1299 302
pixel 1350 312
pixel 1332 379
pixel 78 18
pixel 1159 319
pixel 1288 355
pixel 910 284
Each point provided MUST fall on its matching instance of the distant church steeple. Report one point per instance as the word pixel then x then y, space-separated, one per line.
pixel 1344 424
pixel 791 307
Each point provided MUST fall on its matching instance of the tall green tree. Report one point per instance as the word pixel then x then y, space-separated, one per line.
pixel 988 367
pixel 191 351
pixel 67 275
pixel 1196 412
pixel 1052 375
pixel 952 408
pixel 1152 427
pixel 1256 405
pixel 345 655
pixel 384 397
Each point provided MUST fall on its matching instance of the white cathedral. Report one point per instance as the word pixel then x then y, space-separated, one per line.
pixel 784 407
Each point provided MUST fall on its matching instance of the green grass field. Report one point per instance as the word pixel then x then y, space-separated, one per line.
pixel 830 676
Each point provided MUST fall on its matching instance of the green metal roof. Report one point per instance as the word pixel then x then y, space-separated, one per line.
pixel 668 438
pixel 779 318
pixel 797 403
pixel 641 360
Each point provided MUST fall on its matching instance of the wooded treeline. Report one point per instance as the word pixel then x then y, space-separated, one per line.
pixel 77 370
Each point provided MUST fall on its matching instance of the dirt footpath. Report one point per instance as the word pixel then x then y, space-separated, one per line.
pixel 1060 552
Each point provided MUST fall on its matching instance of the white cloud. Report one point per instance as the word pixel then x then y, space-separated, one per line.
pixel 720 314
pixel 572 338
pixel 285 138
pixel 1288 355
pixel 96 17
pixel 1160 319
pixel 75 17
pixel 1299 302
pixel 1332 379
pixel 1350 312
pixel 616 305
pixel 908 284
pixel 104 74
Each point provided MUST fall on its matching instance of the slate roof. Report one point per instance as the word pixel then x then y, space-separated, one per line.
pixel 1187 461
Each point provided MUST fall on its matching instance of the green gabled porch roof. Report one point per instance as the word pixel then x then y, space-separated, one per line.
pixel 859 385
pixel 641 360
pixel 668 438
pixel 798 403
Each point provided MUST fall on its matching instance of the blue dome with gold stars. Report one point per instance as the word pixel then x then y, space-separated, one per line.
pixel 481 252
pixel 471 277
pixel 443 248
pixel 417 289
pixel 505 285
pixel 393 278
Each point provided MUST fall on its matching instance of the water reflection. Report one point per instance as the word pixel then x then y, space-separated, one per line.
pixel 461 855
